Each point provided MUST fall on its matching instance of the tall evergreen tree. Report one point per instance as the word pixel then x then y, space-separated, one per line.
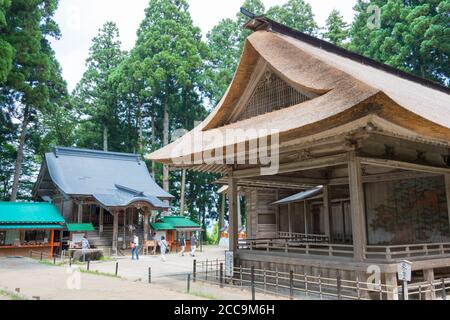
pixel 413 36
pixel 6 50
pixel 171 52
pixel 26 28
pixel 296 14
pixel 224 45
pixel 95 95
pixel 336 29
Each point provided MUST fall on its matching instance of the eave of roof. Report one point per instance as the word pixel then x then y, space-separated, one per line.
pixel 29 213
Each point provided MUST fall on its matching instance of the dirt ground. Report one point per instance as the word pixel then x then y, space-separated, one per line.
pixel 36 280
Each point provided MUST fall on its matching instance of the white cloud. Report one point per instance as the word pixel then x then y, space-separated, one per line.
pixel 79 21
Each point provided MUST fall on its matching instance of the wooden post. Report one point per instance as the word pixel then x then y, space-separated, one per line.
pixel 357 207
pixel 291 284
pixel 124 242
pixel 447 192
pixel 80 212
pixel 233 225
pixel 194 269
pixel 305 215
pixel 221 275
pixel 115 232
pixel 239 213
pixel 391 286
pixel 146 224
pixel 428 275
pixel 253 281
pixel 183 186
pixel 149 275
pixel 188 289
pixel 339 286
pixel 444 292
pixel 101 220
pixel 290 219
pixel 327 212
pixel 52 241
pixel 222 212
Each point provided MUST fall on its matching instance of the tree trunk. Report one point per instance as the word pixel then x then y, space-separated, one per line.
pixel 105 138
pixel 19 158
pixel 141 136
pixel 166 142
pixel 183 187
pixel 153 141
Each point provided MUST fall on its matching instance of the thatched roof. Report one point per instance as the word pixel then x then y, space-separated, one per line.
pixel 347 89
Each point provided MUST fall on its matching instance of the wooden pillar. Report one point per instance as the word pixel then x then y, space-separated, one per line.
pixel 183 186
pixel 428 276
pixel 327 212
pixel 239 214
pixel 290 219
pixel 115 214
pixel 233 225
pixel 391 281
pixel 124 242
pixel 357 207
pixel 146 225
pixel 305 215
pixel 80 212
pixel 101 220
pixel 52 241
pixel 447 191
pixel 222 212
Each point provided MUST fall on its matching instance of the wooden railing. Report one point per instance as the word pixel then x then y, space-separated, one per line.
pixel 407 251
pixel 297 247
pixel 303 236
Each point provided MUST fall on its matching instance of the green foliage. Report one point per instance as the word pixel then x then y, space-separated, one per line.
pixel 213 236
pixel 296 14
pixel 31 85
pixel 413 36
pixel 95 96
pixel 336 29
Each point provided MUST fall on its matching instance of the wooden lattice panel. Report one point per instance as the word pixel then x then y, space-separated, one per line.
pixel 270 94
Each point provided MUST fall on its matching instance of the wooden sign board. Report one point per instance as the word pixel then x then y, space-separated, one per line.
pixel 229 263
pixel 404 269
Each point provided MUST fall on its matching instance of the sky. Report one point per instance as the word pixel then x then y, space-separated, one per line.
pixel 79 21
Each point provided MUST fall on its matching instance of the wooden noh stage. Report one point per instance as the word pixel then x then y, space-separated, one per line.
pixel 362 152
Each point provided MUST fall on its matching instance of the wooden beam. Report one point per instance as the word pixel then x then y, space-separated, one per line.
pixel 322 162
pixel 404 165
pixel 233 223
pixel 357 207
pixel 383 177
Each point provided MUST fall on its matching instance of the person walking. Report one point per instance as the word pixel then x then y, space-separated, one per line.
pixel 163 248
pixel 182 245
pixel 193 244
pixel 135 248
pixel 85 246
